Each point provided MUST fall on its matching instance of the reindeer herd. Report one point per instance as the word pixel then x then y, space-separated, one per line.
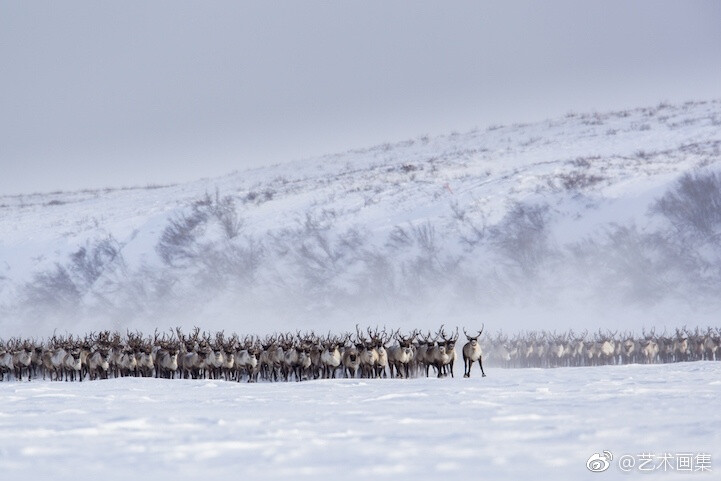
pixel 546 349
pixel 363 354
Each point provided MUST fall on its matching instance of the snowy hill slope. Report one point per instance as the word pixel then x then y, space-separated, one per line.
pixel 553 224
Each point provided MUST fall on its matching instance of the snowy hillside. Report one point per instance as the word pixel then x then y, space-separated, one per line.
pixel 601 218
pixel 514 424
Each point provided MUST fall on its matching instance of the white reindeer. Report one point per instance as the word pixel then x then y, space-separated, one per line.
pixel 472 352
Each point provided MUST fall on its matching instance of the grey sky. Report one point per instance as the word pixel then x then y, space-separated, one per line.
pixel 96 94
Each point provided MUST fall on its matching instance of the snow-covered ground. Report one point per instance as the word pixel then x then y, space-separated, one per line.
pixel 514 424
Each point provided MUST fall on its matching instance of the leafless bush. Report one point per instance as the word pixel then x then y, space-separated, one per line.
pixel 584 162
pixel 224 210
pixel 89 261
pixel 425 236
pixel 259 197
pixel 178 243
pixel 471 232
pixel 640 268
pixel 643 155
pixel 376 277
pixel 522 237
pixel 399 238
pixel 52 289
pixel 579 180
pixel 693 206
pixel 407 168
pixel 243 261
pixel 228 262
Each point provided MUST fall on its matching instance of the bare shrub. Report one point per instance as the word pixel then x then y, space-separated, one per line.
pixel 471 232
pixel 229 262
pixel 522 237
pixel 639 266
pixel 693 205
pixel 242 261
pixel 178 243
pixel 399 238
pixel 224 210
pixel 377 278
pixel 53 289
pixel 89 261
pixel 579 180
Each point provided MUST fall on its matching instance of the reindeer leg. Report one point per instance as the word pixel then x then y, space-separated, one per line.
pixel 480 363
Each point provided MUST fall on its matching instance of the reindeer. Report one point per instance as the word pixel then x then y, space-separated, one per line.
pixel 72 363
pixel 57 358
pixel 368 356
pixel 6 362
pixel 557 350
pixel 711 343
pixel 665 347
pixel 629 348
pixel 123 358
pixel 502 350
pixel 607 348
pixel 383 361
pixel 423 353
pixel 276 355
pixel 351 357
pixel 290 358
pixel 252 363
pixel 165 354
pixel 191 356
pixel 401 356
pixel 443 353
pixel 649 347
pixel 247 360
pixel 450 351
pixel 215 359
pixel 331 357
pixel 97 360
pixel 22 358
pixel 229 349
pixel 302 370
pixel 144 361
pixel 316 351
pixel 429 357
pixel 37 360
pixel 681 347
pixel 472 352
pixel 378 343
pixel 64 357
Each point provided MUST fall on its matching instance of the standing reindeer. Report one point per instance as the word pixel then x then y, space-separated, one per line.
pixel 401 356
pixel 472 352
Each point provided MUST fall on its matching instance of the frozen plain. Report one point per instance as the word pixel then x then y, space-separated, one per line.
pixel 513 424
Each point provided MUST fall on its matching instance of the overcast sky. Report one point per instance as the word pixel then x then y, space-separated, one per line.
pixel 96 94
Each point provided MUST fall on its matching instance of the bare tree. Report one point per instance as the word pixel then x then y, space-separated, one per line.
pixel 53 289
pixel 694 205
pixel 522 237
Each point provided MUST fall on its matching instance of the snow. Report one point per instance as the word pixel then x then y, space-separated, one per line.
pixel 632 156
pixel 513 424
